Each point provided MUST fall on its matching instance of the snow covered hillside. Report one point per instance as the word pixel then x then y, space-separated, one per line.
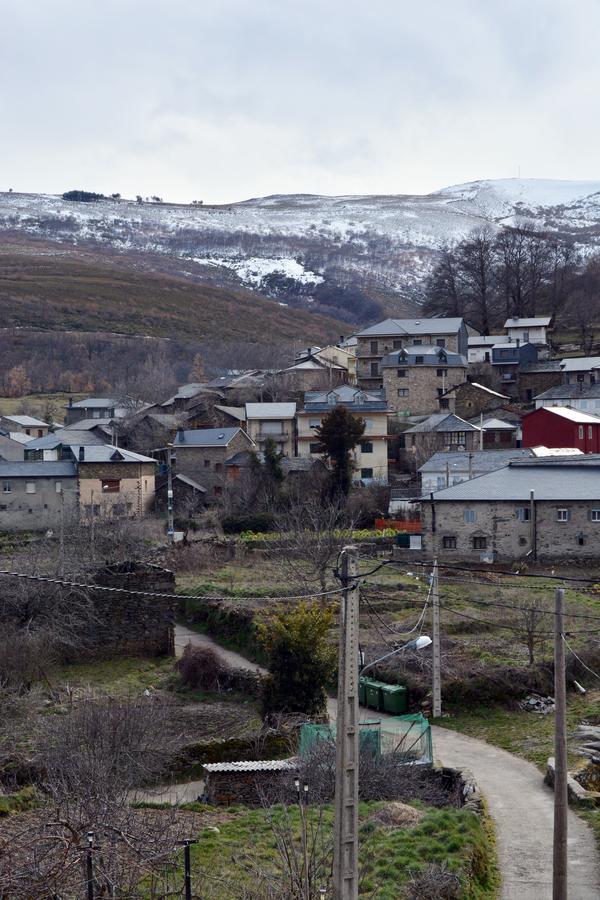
pixel 279 245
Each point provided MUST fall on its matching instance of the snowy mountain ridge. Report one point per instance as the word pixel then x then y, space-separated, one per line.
pixel 385 244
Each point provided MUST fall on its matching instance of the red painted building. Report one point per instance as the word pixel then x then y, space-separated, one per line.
pixel 561 426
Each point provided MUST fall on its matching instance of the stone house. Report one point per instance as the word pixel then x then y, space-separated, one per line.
pixel 310 374
pixel 335 355
pixel 469 399
pixel 580 369
pixel 480 346
pixel 500 434
pixel 537 377
pixel 539 509
pixel 113 481
pixel 27 425
pixel 202 453
pixel 35 496
pixel 379 340
pixel 272 420
pixel 529 330
pixel 585 397
pixel 12 445
pixel 106 408
pixel 370 458
pixel 508 358
pixel 416 377
pixel 442 431
pixel 56 446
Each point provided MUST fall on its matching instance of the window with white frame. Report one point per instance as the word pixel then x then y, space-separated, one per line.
pixel 581 432
pixel 6 487
pixel 403 392
pixel 58 487
pixel 563 515
pixel 523 513
pixel 30 487
pixel 314 423
pixel 595 515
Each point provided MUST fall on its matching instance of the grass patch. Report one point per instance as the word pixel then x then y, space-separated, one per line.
pixel 20 801
pixel 226 863
pixel 120 675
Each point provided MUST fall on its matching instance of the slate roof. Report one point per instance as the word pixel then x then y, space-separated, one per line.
pixel 20 437
pixel 482 461
pixel 236 412
pixel 539 322
pixel 542 365
pixel 570 392
pixel 412 327
pixel 185 479
pixel 498 425
pixel 205 437
pixel 550 479
pixel 574 415
pixel 59 438
pixel 26 421
pixel 270 410
pixel 442 422
pixel 580 363
pixel 96 403
pixel 86 424
pixel 346 395
pixel 52 469
pixel 485 340
pixel 105 453
pixel 432 356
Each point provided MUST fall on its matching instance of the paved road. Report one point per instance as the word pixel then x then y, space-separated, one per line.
pixel 519 802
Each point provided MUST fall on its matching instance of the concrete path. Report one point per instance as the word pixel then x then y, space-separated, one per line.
pixel 522 808
pixel 185 635
pixel 519 803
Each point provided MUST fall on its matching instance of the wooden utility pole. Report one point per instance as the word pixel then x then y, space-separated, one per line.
pixel 345 848
pixel 170 523
pixel 559 862
pixel 435 633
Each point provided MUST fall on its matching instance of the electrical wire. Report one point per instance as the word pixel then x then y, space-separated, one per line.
pixel 579 660
pixel 121 590
pixel 428 565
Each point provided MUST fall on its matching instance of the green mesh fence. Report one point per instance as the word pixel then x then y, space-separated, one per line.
pixel 409 735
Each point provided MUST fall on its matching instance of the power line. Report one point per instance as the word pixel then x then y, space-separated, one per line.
pixel 427 565
pixel 121 590
pixel 579 660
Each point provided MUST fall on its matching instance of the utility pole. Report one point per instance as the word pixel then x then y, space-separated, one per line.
pixel 435 632
pixel 345 848
pixel 170 525
pixel 559 862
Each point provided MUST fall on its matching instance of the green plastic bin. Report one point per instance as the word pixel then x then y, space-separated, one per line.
pixel 374 695
pixel 362 691
pixel 395 698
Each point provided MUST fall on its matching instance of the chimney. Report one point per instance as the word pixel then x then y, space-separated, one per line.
pixel 70 402
pixel 180 436
pixel 518 342
pixel 341 339
pixel 82 454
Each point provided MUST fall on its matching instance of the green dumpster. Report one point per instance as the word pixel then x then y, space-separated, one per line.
pixel 395 699
pixel 374 696
pixel 362 691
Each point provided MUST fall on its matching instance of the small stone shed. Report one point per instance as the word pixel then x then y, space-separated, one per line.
pixel 249 782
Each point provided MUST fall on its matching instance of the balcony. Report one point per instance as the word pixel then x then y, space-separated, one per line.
pixel 278 436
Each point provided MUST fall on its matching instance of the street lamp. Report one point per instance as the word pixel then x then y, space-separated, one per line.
pixel 417 644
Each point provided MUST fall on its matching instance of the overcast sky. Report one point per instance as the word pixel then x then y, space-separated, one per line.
pixel 222 100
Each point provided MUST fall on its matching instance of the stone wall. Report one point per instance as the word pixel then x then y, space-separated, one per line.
pixel 129 624
pixel 250 788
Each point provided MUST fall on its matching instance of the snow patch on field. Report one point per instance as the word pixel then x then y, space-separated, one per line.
pixel 252 270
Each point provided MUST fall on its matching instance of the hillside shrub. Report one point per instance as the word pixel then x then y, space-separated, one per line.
pixel 302 661
pixel 82 196
pixel 247 522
